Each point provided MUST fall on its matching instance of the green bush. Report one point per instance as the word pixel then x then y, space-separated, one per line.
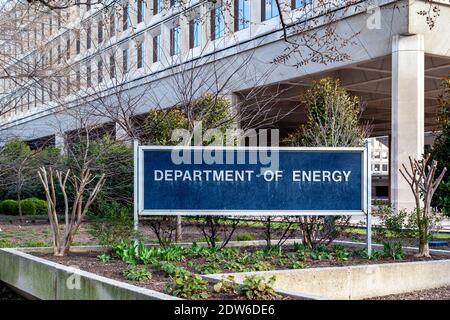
pixel 9 207
pixel 115 224
pixel 246 237
pixel 41 206
pixel 28 207
pixel 137 273
pixel 6 244
pixel 33 206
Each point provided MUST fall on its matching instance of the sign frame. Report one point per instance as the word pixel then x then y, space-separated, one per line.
pixel 366 186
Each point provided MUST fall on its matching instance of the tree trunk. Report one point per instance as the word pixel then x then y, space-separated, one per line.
pixel 178 231
pixel 424 248
pixel 19 199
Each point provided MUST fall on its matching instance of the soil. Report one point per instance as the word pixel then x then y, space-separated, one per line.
pixel 114 269
pixel 442 293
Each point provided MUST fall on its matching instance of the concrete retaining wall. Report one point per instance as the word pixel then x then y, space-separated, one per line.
pixel 42 279
pixel 359 282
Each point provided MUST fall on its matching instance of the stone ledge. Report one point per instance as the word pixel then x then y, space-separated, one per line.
pixel 46 280
pixel 358 281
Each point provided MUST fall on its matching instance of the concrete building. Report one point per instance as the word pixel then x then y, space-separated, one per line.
pixel 392 54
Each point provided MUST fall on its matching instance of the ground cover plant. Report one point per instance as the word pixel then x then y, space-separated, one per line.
pixel 177 270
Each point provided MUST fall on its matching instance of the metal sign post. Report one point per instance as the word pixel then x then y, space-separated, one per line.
pixel 136 191
pixel 368 152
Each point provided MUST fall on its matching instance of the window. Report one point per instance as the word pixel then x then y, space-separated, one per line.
pixel 112 66
pixel 100 71
pixel 140 55
pixel 296 4
pixel 112 24
pixel 68 48
pixel 269 9
pixel 78 78
pixel 385 167
pixel 125 17
pixel 217 23
pixel 50 24
pixel 125 60
pixel 195 33
pixel 88 37
pixel 68 84
pixel 140 10
pixel 59 20
pixel 88 5
pixel 382 191
pixel 156 6
pixel 58 58
pixel 58 90
pixel 175 41
pixel 157 48
pixel 77 42
pixel 174 2
pixel 100 31
pixel 241 14
pixel 88 75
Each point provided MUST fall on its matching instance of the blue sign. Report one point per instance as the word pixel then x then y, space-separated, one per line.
pixel 254 181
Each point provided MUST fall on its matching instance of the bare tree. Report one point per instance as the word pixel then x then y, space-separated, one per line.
pixel 422 179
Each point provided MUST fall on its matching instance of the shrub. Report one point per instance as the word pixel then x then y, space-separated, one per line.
pixel 246 237
pixel 104 257
pixel 137 273
pixel 33 206
pixel 393 250
pixel 28 207
pixel 257 288
pixel 116 224
pixel 6 244
pixel 9 207
pixel 33 244
pixel 41 206
pixel 189 286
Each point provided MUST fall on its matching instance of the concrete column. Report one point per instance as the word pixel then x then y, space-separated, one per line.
pixel 165 44
pixel 407 112
pixel 122 135
pixel 60 142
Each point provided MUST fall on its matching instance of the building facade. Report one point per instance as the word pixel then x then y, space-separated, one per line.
pixel 157 54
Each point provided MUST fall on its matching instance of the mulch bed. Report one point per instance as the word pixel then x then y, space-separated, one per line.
pixel 442 293
pixel 114 268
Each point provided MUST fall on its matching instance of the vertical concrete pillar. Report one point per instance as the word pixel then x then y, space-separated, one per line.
pixel 165 44
pixel 122 135
pixel 60 142
pixel 407 112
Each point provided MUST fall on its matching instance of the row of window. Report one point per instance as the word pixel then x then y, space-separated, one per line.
pixel 217 23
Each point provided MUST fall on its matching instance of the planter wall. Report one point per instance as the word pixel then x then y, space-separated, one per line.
pixel 46 280
pixel 358 282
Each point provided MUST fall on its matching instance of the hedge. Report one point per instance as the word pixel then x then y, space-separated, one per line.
pixel 30 207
